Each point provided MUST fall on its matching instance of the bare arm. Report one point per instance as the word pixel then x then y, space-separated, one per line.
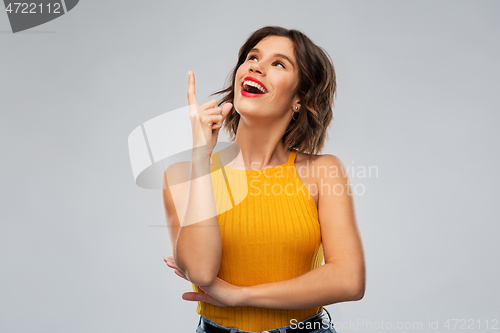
pixel 192 219
pixel 342 278
pixel 189 199
pixel 322 286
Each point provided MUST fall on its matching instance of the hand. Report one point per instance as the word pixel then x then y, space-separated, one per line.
pixel 207 119
pixel 219 293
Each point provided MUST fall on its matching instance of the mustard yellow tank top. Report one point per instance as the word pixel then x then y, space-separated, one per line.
pixel 270 232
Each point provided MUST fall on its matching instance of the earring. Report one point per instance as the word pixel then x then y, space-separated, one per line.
pixel 293 114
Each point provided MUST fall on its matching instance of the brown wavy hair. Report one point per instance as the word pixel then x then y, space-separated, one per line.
pixel 317 89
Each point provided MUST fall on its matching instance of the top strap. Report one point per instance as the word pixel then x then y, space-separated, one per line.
pixel 216 161
pixel 217 166
pixel 291 157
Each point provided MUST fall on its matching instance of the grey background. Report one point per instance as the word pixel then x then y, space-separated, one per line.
pixel 82 245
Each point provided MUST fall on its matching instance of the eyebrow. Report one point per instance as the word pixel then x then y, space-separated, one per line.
pixel 279 55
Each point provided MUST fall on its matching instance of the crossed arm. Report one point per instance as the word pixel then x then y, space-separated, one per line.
pixel 340 279
pixel 320 287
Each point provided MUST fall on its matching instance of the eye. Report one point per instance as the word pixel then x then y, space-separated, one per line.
pixel 280 63
pixel 277 62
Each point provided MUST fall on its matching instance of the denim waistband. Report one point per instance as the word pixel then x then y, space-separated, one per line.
pixel 276 330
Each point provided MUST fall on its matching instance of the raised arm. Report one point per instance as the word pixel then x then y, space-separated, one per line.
pixel 189 200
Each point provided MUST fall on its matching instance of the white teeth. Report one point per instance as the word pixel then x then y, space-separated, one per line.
pixel 254 84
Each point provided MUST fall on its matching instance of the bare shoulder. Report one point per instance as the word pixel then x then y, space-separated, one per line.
pixel 316 170
pixel 330 166
pixel 328 160
pixel 321 165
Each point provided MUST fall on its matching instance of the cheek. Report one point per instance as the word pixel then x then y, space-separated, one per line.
pixel 237 78
pixel 240 70
pixel 284 88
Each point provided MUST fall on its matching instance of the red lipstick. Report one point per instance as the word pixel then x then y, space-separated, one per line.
pixel 248 94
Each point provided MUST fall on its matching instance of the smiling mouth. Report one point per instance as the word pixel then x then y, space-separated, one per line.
pixel 252 90
pixel 253 87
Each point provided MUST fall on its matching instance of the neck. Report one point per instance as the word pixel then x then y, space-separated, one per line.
pixel 259 147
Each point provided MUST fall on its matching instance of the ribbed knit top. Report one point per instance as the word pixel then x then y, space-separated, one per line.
pixel 270 232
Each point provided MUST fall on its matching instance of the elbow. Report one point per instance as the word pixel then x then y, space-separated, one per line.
pixel 357 284
pixel 357 291
pixel 358 294
pixel 201 280
pixel 199 275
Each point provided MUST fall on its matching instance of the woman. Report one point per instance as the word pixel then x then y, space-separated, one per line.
pixel 256 220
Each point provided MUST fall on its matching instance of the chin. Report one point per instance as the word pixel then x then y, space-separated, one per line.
pixel 243 110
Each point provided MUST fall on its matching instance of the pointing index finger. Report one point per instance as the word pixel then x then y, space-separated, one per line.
pixel 191 92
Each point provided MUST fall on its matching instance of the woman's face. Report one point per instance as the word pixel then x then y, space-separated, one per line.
pixel 272 64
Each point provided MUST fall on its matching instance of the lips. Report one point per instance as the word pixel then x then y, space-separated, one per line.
pixel 249 78
pixel 249 94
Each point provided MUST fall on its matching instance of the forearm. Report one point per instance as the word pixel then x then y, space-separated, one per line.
pixel 322 286
pixel 199 242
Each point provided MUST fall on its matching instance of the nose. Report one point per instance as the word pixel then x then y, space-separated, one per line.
pixel 255 67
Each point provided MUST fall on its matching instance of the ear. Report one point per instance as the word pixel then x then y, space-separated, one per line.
pixel 295 102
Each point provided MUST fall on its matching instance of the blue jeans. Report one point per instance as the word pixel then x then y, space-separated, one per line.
pixel 300 324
